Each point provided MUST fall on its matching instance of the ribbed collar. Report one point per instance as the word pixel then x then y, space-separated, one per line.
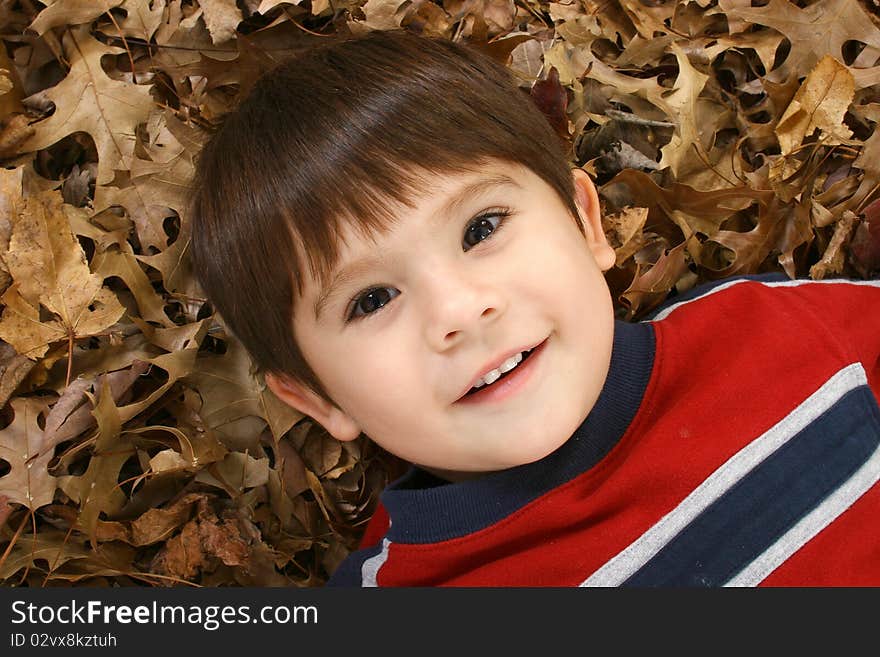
pixel 426 509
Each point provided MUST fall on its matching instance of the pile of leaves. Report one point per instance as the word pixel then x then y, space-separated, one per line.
pixel 139 447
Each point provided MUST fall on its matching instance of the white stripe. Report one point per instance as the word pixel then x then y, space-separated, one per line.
pixel 663 314
pixel 811 524
pixel 637 554
pixel 371 566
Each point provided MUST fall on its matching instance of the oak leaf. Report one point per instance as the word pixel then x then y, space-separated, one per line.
pixel 88 100
pixel 822 28
pixel 70 12
pixel 681 104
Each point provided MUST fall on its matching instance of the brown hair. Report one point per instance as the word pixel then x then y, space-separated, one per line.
pixel 341 132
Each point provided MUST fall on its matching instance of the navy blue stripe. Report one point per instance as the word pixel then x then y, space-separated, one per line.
pixel 349 571
pixel 739 526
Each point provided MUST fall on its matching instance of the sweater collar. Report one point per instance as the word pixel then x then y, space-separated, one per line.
pixel 426 509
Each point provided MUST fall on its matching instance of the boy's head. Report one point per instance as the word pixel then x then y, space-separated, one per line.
pixel 385 219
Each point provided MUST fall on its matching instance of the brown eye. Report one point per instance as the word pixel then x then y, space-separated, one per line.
pixel 481 228
pixel 371 301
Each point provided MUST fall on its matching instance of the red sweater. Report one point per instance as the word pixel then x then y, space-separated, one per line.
pixel 735 443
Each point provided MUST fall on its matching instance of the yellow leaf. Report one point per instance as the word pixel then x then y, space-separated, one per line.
pixel 820 103
pixel 49 269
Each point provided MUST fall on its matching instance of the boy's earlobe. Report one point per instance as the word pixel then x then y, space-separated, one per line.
pixel 587 198
pixel 337 423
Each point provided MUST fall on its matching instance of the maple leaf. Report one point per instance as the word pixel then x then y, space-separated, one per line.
pixel 88 100
pixel 49 269
pixel 22 446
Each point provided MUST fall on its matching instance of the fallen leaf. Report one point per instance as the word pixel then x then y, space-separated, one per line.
pixel 87 100
pixel 819 104
pixel 221 17
pixel 834 257
pixel 49 269
pixel 70 12
pixel 21 445
pixel 97 490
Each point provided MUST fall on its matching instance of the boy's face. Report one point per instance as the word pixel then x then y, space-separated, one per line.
pixel 451 292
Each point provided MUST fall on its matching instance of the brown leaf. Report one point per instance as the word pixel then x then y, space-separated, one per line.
pixel 819 104
pixel 15 129
pixel 865 246
pixel 651 287
pixel 822 28
pixel 833 259
pixel 21 446
pixel 203 542
pixel 156 525
pixel 235 473
pixel 231 392
pixel 49 269
pixel 681 106
pixel 71 12
pixel 552 99
pixel 97 490
pixel 14 368
pixel 88 100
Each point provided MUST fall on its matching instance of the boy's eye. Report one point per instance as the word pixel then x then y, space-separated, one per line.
pixel 480 228
pixel 371 300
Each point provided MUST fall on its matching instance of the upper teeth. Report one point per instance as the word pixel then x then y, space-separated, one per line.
pixel 493 375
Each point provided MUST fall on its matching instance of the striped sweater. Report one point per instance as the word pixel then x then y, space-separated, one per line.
pixel 735 443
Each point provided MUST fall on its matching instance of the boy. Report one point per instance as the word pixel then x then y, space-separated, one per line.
pixel 413 259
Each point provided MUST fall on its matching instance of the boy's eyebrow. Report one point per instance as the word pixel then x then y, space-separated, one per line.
pixel 481 184
pixel 339 279
pixel 448 209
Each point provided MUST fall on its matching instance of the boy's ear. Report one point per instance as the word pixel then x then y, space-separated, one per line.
pixel 587 199
pixel 332 418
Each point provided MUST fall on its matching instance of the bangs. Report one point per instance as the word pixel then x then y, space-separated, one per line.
pixel 364 203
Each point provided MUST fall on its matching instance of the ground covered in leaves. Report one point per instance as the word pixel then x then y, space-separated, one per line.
pixel 139 447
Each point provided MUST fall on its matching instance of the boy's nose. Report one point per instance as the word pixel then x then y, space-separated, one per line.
pixel 459 308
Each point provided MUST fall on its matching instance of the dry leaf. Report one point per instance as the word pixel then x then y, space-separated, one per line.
pixel 725 138
pixel 222 18
pixel 89 101
pixel 22 446
pixel 820 103
pixel 49 269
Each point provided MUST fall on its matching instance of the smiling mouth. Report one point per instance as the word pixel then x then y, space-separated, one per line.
pixel 525 357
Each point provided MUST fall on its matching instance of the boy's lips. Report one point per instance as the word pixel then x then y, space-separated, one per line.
pixel 494 364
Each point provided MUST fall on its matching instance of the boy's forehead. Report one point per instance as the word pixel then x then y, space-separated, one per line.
pixel 441 196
